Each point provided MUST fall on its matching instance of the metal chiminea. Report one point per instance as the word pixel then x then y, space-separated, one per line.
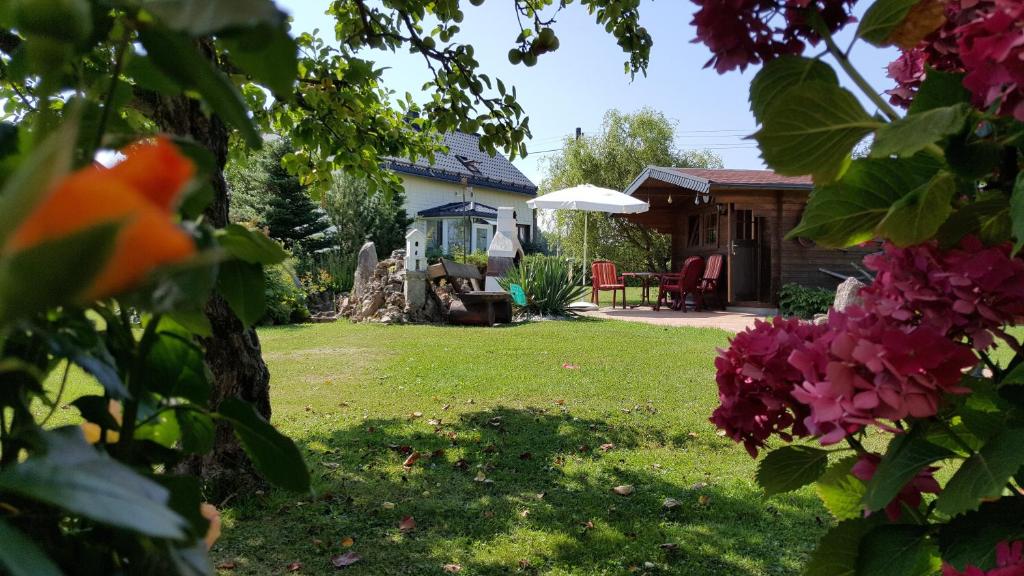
pixel 505 250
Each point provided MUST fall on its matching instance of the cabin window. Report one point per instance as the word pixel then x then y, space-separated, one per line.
pixel 710 233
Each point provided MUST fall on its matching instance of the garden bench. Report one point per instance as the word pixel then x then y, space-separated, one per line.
pixel 473 307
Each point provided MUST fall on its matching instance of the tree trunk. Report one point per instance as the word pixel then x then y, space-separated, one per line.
pixel 233 351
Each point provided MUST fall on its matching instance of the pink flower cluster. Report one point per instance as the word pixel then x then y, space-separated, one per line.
pixel 756 383
pixel 971 291
pixel 743 32
pixel 985 39
pixel 923 482
pixel 1009 562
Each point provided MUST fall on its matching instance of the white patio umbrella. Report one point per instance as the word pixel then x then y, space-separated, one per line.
pixel 589 198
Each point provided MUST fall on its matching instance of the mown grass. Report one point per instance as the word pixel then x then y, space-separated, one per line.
pixel 513 479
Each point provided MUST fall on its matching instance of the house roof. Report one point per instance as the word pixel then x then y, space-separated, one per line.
pixel 460 209
pixel 464 159
pixel 702 180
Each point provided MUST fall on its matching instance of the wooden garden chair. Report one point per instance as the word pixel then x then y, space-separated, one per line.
pixel 708 285
pixel 604 277
pixel 678 286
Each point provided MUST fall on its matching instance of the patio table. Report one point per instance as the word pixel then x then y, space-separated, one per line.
pixel 646 279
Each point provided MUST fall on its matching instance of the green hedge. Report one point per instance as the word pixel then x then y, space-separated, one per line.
pixel 803 301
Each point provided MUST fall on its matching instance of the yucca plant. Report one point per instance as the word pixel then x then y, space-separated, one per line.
pixel 548 284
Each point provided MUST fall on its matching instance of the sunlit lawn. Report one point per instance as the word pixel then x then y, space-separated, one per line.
pixel 524 432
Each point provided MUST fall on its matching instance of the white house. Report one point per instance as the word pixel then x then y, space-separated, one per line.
pixel 455 201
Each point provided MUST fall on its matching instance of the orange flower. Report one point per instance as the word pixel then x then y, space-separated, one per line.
pixel 140 193
pixel 92 431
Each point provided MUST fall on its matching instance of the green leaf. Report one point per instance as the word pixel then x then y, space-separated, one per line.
pixel 1017 212
pixel 841 491
pixel 275 456
pixel 241 284
pixel 897 550
pixel 811 129
pixel 908 136
pixel 781 74
pixel 35 175
pixel 791 467
pixel 907 455
pixel 175 368
pixel 251 246
pixel 938 90
pixel 881 18
pixel 987 217
pixel 848 211
pixel 146 75
pixel 917 216
pixel 197 431
pixel 970 539
pixel 82 480
pixel 204 17
pixel 20 556
pixel 176 56
pixel 985 474
pixel 836 554
pixel 268 54
pixel 54 272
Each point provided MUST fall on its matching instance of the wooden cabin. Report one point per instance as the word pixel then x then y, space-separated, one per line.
pixel 745 215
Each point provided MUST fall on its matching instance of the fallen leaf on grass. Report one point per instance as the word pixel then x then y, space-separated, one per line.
pixel 408 524
pixel 226 566
pixel 588 525
pixel 560 402
pixel 347 542
pixel 488 514
pixel 415 415
pixel 704 500
pixel 294 567
pixel 524 513
pixel 671 503
pixel 346 559
pixel 446 407
pixel 460 464
pixel 388 505
pixel 607 447
pixel 569 366
pixel 451 568
pixel 699 485
pixel 624 490
pixel 411 459
pixel 434 421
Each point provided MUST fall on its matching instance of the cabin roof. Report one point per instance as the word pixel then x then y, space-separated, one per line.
pixel 703 180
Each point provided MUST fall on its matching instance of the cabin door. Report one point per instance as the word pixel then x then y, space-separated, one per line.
pixel 749 257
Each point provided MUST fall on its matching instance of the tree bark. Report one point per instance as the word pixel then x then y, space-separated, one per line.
pixel 233 351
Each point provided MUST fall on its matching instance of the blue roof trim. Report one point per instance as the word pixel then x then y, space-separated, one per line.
pixel 461 209
pixel 438 174
pixel 699 185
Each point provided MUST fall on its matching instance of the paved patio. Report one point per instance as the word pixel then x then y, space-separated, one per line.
pixel 731 320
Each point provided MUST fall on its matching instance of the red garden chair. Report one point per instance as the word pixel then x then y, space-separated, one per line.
pixel 604 277
pixel 708 285
pixel 679 285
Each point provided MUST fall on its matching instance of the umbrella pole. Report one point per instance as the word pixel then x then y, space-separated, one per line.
pixel 586 240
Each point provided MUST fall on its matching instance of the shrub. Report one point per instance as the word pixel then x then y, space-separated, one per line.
pixel 548 284
pixel 804 301
pixel 286 301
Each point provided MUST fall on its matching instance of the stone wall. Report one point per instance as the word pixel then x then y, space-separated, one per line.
pixel 379 295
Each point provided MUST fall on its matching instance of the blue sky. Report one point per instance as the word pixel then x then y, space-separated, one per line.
pixel 575 85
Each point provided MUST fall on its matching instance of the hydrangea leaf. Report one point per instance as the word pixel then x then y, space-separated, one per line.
pixel 881 18
pixel 938 90
pixel 841 491
pixel 906 456
pixel 811 129
pixel 241 284
pixel 847 212
pixel 20 556
pixel 791 467
pixel 1017 213
pixel 908 136
pixel 987 217
pixel 897 549
pixel 203 17
pixel 971 538
pixel 837 551
pixel 781 74
pixel 917 216
pixel 983 475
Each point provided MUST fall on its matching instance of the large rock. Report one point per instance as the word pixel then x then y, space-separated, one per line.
pixel 848 294
pixel 366 264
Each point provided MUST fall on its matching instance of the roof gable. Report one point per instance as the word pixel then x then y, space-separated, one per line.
pixel 703 180
pixel 464 159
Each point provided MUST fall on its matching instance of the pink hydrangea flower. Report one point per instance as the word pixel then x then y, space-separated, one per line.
pixel 1009 562
pixel 756 380
pixel 972 291
pixel 870 368
pixel 924 482
pixel 908 72
pixel 992 50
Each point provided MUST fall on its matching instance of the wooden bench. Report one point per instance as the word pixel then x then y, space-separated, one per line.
pixel 474 307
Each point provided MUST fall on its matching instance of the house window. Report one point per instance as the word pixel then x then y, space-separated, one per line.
pixel 456 234
pixel 711 230
pixel 693 231
pixel 435 232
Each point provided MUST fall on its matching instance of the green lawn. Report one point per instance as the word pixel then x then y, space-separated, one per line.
pixel 513 479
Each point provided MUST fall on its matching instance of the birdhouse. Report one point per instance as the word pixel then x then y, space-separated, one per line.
pixel 415 250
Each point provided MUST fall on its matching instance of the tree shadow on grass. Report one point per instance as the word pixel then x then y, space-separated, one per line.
pixel 510 491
